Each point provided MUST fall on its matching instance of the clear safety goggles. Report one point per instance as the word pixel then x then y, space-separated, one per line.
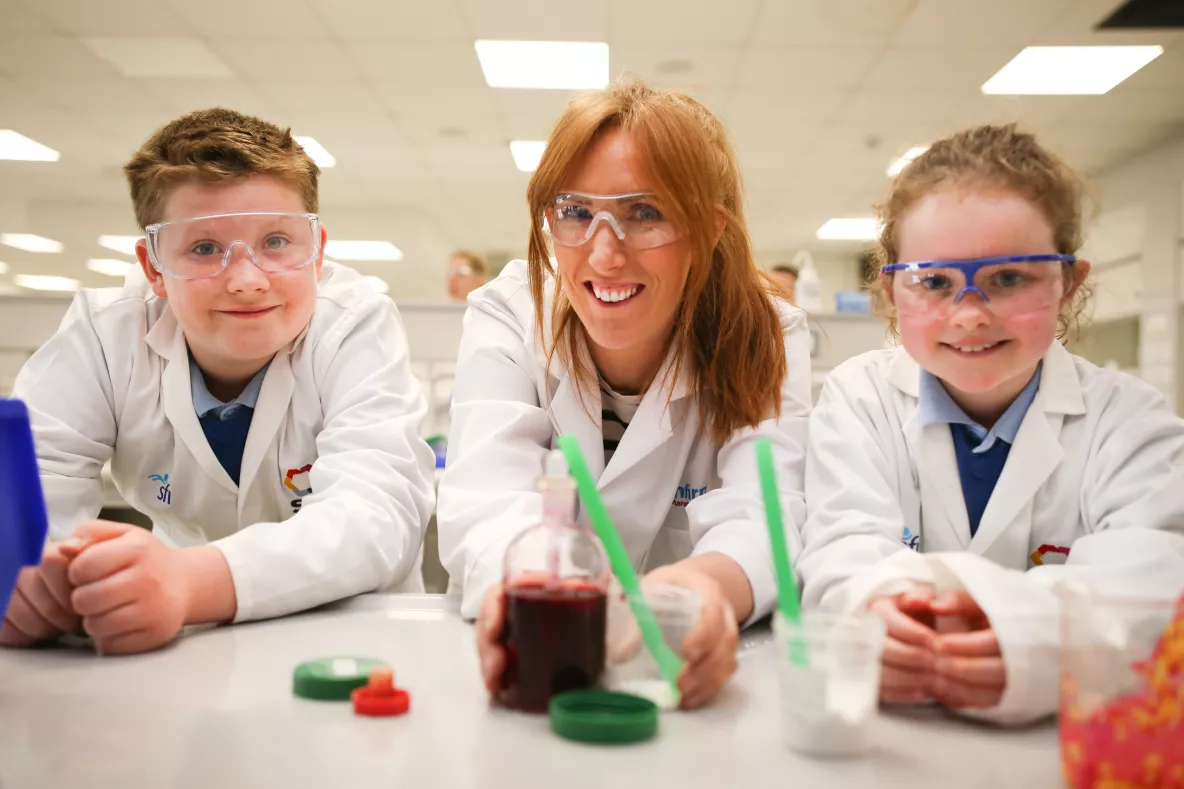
pixel 633 218
pixel 1008 285
pixel 201 247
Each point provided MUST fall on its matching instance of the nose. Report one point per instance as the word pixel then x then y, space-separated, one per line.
pixel 971 311
pixel 242 275
pixel 606 252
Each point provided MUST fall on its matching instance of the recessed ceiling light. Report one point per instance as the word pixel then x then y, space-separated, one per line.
pixel 159 57
pixel 30 242
pixel 42 282
pixel 124 244
pixel 557 65
pixel 378 283
pixel 18 147
pixel 316 151
pixel 849 229
pixel 363 250
pixel 1069 71
pixel 902 162
pixel 527 153
pixel 109 266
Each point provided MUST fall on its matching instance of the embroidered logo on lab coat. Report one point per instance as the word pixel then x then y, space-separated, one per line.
pixel 1050 554
pixel 911 540
pixel 685 493
pixel 164 495
pixel 296 480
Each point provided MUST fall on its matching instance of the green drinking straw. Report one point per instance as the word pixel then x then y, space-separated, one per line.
pixel 787 585
pixel 668 662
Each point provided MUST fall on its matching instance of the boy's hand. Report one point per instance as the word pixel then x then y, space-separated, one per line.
pixel 40 608
pixel 131 590
pixel 908 659
pixel 710 648
pixel 969 672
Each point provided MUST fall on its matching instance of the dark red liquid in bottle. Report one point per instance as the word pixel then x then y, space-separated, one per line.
pixel 554 640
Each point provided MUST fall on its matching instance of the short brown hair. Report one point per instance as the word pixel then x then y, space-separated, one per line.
pixel 215 146
pixel 727 332
pixel 991 157
pixel 475 261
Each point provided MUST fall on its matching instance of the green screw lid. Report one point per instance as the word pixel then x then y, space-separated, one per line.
pixel 334 678
pixel 601 716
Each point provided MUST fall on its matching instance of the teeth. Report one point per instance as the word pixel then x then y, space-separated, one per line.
pixel 975 348
pixel 613 296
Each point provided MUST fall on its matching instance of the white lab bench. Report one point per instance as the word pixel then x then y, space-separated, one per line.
pixel 216 710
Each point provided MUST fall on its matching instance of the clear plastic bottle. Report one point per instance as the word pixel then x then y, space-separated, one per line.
pixel 555 581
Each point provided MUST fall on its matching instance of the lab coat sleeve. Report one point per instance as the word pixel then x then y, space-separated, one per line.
pixel 67 388
pixel 731 519
pixel 362 526
pixel 1133 509
pixel 499 437
pixel 854 522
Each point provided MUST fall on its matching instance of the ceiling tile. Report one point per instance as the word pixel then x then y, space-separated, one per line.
pixel 537 20
pixel 419 64
pixel 257 20
pixel 832 22
pixel 971 23
pixel 44 56
pixel 913 68
pixel 438 20
pixel 289 58
pixel 805 68
pixel 681 21
pixel 677 66
pixel 127 18
pixel 115 94
pixel 530 114
pixel 188 95
pixel 427 114
pixel 159 57
pixel 18 19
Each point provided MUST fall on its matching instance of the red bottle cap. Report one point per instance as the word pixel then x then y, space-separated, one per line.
pixel 380 697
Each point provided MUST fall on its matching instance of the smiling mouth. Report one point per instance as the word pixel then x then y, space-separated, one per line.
pixel 251 313
pixel 614 295
pixel 976 350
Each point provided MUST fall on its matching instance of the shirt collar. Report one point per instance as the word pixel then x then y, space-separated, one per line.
pixel 935 406
pixel 204 402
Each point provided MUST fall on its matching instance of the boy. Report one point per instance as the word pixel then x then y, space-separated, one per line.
pixel 254 401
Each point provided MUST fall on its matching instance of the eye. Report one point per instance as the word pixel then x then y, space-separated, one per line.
pixel 647 213
pixel 933 282
pixel 276 242
pixel 1011 278
pixel 205 249
pixel 574 212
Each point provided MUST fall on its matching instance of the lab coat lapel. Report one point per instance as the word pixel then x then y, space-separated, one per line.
pixel 652 424
pixel 270 409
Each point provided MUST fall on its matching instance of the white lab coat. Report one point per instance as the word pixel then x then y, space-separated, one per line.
pixel 1096 469
pixel 670 491
pixel 336 485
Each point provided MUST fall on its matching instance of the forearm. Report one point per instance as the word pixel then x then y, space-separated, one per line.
pixel 732 579
pixel 211 586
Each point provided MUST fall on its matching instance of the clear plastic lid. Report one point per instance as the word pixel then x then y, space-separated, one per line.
pixel 558 551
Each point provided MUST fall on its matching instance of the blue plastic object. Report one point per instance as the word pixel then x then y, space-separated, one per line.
pixel 23 520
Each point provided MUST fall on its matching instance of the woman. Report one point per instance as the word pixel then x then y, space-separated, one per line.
pixel 658 345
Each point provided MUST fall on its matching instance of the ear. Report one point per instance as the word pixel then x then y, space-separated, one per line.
pixel 1080 271
pixel 321 255
pixel 155 278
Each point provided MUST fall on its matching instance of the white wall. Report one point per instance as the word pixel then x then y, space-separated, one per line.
pixel 838 270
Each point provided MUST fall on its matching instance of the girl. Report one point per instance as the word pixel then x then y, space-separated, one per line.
pixel 953 480
pixel 658 345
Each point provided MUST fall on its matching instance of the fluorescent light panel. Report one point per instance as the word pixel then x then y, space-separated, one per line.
pixel 316 151
pixel 1069 71
pixel 849 229
pixel 527 153
pixel 912 153
pixel 30 242
pixel 109 266
pixel 548 65
pixel 42 282
pixel 124 244
pixel 17 147
pixel 363 250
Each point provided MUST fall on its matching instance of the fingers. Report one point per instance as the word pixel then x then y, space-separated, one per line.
pixel 962 695
pixel 106 595
pixel 490 623
pixel 988 672
pixel 980 643
pixel 124 619
pixel 710 653
pixel 901 626
pixel 54 570
pixel 104 559
pixel 131 643
pixel 38 595
pixel 12 636
pixel 24 618
pixel 906 656
pixel 92 532
pixel 899 686
pixel 956 603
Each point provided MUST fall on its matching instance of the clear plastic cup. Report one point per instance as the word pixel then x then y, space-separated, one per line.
pixel 630 668
pixel 1122 691
pixel 829 667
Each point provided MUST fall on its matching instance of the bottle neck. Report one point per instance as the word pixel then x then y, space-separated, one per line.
pixel 559 501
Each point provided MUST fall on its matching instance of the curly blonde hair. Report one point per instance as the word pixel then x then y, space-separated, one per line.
pixel 997 158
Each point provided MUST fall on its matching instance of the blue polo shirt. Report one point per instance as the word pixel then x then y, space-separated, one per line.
pixel 981 453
